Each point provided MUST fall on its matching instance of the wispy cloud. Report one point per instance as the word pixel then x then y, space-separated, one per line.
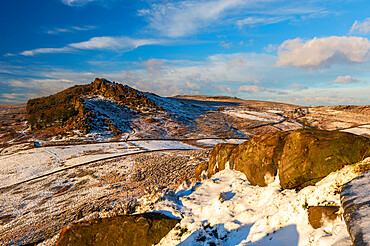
pixel 361 27
pixel 121 44
pixel 184 18
pixel 257 20
pixel 114 43
pixel 345 80
pixel 298 87
pixel 152 66
pixel 178 19
pixel 79 2
pixel 70 29
pixel 323 52
pixel 251 88
pixel 46 51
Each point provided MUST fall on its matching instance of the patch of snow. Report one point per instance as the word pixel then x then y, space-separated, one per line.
pixel 358 130
pixel 227 210
pixel 275 111
pixel 213 142
pixel 287 126
pixel 254 115
pixel 162 145
pixel 365 126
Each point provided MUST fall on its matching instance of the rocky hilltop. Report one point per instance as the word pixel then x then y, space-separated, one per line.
pixel 100 105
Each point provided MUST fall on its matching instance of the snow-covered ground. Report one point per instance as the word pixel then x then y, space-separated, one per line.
pixel 34 162
pixel 254 115
pixel 162 145
pixel 227 210
pixel 213 142
pixel 361 130
pixel 31 163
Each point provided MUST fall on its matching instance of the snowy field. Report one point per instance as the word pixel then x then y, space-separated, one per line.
pixel 213 142
pixel 34 162
pixel 27 164
pixel 162 145
pixel 227 210
pixel 361 130
pixel 254 115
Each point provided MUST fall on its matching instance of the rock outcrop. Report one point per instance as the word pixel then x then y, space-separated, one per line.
pixel 303 157
pixel 318 214
pixel 203 166
pixel 355 200
pixel 219 156
pixel 258 158
pixel 310 155
pixel 131 230
pixel 84 107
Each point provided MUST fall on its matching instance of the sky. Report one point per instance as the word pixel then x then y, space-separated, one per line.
pixel 312 52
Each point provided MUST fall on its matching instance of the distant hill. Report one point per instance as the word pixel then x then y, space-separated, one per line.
pixel 99 106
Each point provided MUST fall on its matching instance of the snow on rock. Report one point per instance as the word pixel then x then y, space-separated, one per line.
pixel 227 210
pixel 356 203
pixel 162 145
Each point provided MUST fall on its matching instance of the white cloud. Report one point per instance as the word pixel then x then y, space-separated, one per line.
pixel 361 27
pixel 251 88
pixel 227 90
pixel 113 43
pixel 122 44
pixel 226 45
pixel 237 62
pixel 256 20
pixel 344 80
pixel 297 86
pixel 329 96
pixel 192 85
pixel 187 17
pixel 70 29
pixel 178 19
pixel 323 52
pixel 152 66
pixel 78 2
pixel 270 48
pixel 46 51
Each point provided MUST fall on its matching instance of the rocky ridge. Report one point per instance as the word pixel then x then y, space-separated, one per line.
pixel 87 107
pixel 303 157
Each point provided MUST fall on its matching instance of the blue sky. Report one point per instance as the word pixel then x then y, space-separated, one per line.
pixel 313 52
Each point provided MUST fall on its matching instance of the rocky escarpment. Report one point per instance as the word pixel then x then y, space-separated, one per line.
pixel 303 157
pixel 90 107
pixel 355 200
pixel 133 230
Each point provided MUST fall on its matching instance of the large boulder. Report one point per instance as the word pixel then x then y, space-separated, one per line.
pixel 219 157
pixel 355 201
pixel 258 158
pixel 132 230
pixel 309 155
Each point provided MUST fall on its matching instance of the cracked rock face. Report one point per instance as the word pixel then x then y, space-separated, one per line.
pixel 310 155
pixel 355 200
